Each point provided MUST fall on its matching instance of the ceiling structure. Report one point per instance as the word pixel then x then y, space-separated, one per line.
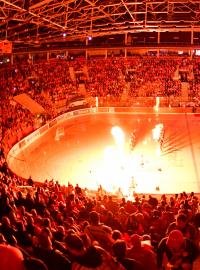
pixel 38 23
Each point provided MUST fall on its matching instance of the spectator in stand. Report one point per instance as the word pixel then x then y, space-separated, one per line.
pixel 6 206
pixel 11 258
pixel 182 223
pixel 141 253
pixel 32 263
pixel 135 224
pixel 23 237
pixel 180 252
pixel 7 229
pixel 122 217
pixel 99 232
pixel 85 256
pixel 119 250
pixel 116 235
pixel 112 221
pixel 53 258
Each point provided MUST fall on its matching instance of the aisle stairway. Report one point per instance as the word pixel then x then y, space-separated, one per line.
pixel 72 74
pixel 185 91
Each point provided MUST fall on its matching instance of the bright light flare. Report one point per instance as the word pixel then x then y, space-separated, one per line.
pixel 116 172
pixel 109 154
pixel 119 136
pixel 157 132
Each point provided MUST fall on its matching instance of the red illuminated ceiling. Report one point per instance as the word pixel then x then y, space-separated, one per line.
pixel 33 22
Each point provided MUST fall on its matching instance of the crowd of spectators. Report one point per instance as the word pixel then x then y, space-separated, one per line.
pixel 44 82
pixel 16 123
pixel 153 77
pixel 49 226
pixel 102 77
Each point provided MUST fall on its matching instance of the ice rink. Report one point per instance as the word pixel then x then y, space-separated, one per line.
pixel 94 150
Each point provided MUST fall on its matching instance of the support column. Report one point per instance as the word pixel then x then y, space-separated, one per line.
pixel 125 52
pixel 158 40
pixel 126 38
pixel 11 59
pixel 192 42
pixel 192 37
